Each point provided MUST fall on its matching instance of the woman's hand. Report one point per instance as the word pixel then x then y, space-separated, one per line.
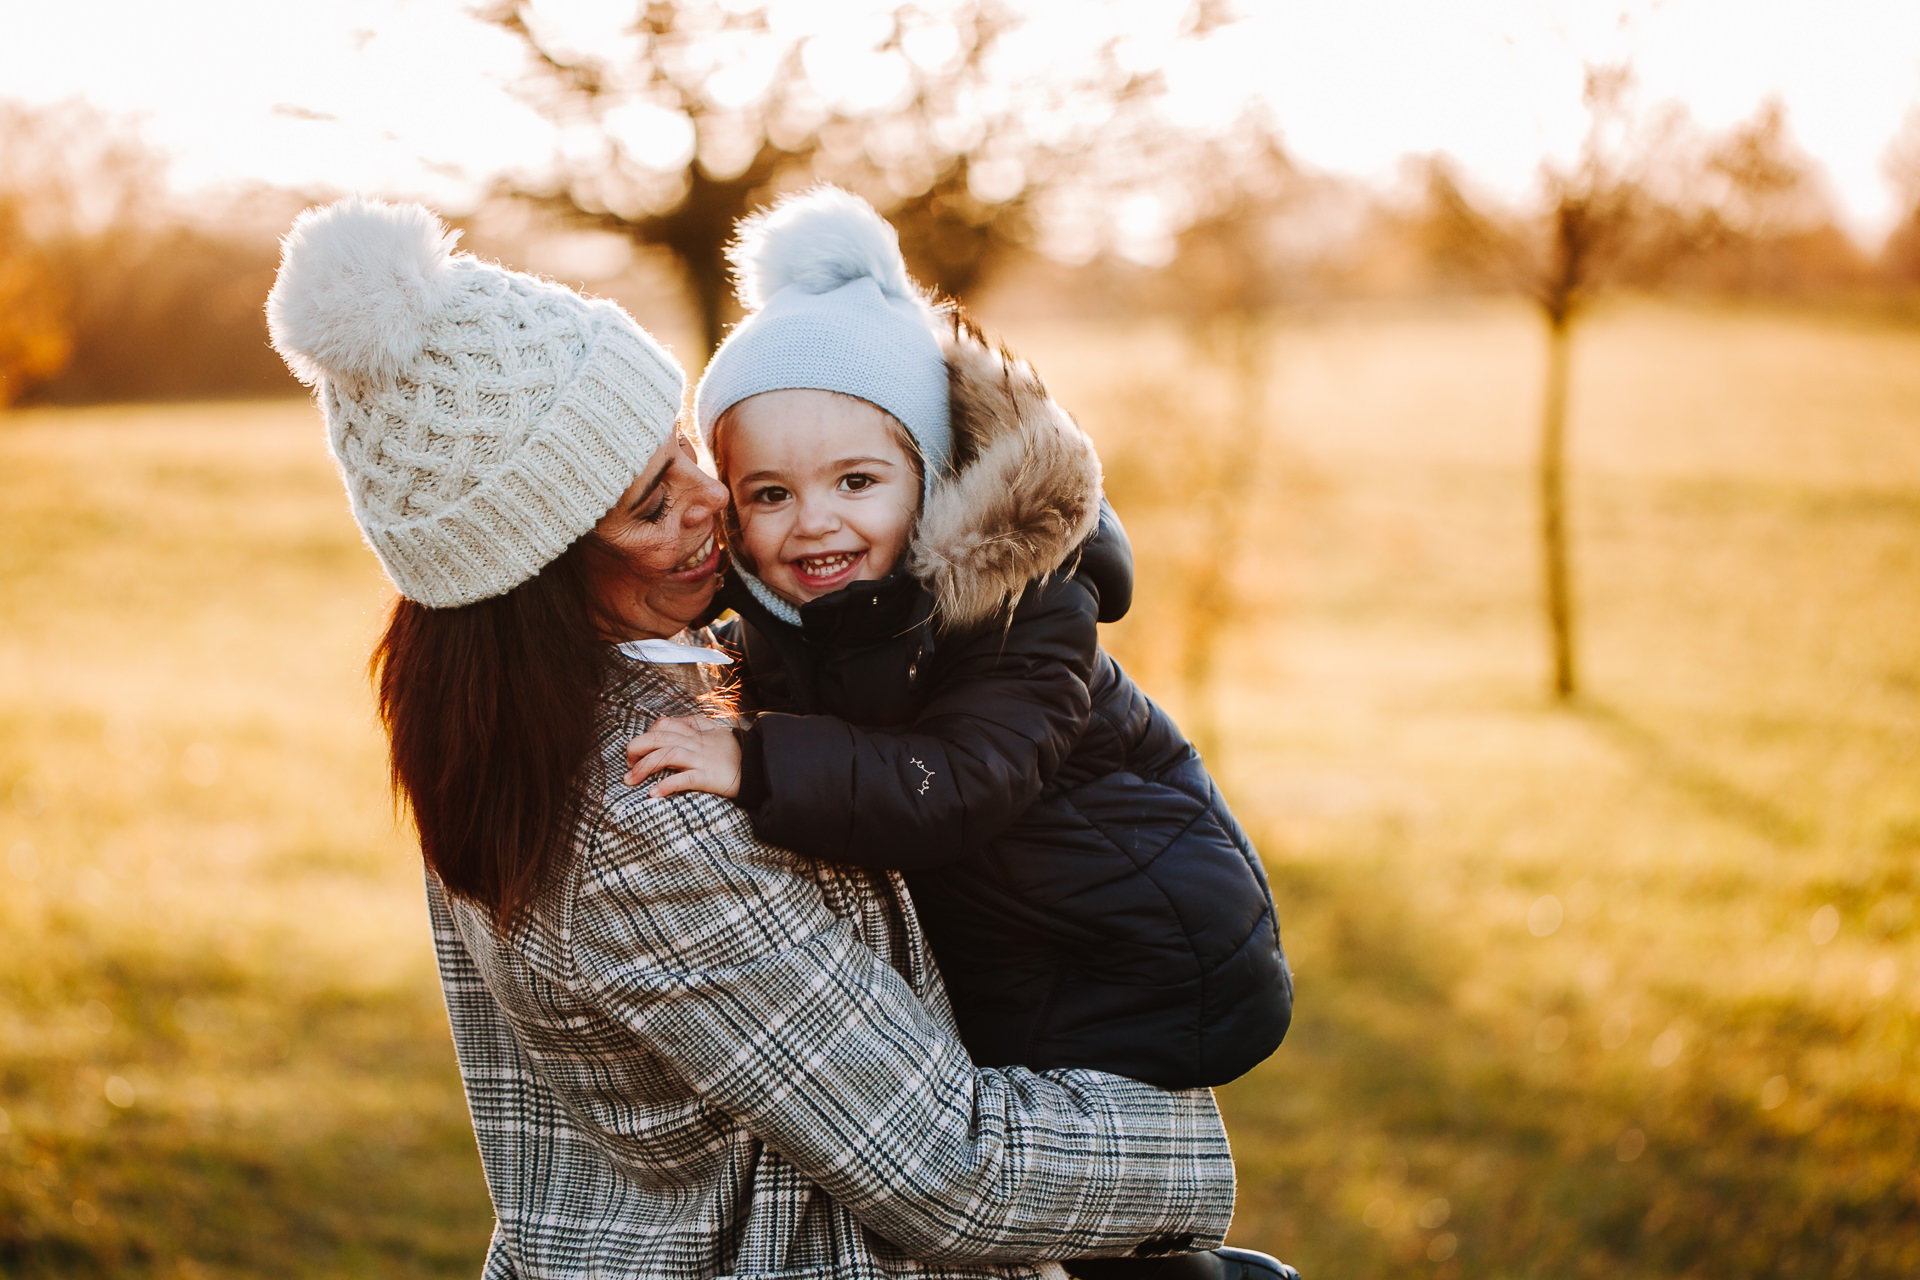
pixel 702 753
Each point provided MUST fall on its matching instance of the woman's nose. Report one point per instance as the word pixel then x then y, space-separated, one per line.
pixel 706 496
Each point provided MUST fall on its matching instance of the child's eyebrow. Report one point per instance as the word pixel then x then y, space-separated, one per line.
pixel 838 464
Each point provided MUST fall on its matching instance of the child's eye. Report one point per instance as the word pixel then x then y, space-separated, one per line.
pixel 856 482
pixel 769 495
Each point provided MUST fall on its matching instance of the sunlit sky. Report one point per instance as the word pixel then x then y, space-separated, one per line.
pixel 414 96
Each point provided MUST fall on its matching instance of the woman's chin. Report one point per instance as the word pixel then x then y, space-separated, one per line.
pixel 696 601
pixel 667 613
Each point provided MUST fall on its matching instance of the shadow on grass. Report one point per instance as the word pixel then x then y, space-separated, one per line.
pixel 1394 1134
pixel 342 1148
pixel 156 1203
pixel 1712 790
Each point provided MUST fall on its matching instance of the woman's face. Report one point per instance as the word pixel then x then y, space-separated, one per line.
pixel 663 531
pixel 824 493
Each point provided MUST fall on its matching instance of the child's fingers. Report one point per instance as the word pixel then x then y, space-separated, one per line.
pixel 684 780
pixel 684 745
pixel 664 733
pixel 671 757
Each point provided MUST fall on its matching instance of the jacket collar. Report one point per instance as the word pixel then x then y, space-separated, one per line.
pixel 1023 491
pixel 857 616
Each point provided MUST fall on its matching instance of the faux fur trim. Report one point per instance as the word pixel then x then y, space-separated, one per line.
pixel 1023 492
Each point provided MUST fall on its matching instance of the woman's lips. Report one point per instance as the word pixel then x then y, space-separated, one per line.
pixel 709 560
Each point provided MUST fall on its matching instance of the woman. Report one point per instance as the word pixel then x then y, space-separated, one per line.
pixel 686 1053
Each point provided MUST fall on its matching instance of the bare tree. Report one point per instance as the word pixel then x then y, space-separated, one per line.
pixel 711 108
pixel 1230 268
pixel 1597 212
pixel 1647 202
pixel 107 292
pixel 67 179
pixel 1238 257
pixel 35 334
pixel 1900 257
pixel 1765 221
pixel 1610 215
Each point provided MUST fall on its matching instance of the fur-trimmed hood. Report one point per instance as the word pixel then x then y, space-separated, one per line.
pixel 1022 492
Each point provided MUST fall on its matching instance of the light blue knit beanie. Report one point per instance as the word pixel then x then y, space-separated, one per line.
pixel 830 307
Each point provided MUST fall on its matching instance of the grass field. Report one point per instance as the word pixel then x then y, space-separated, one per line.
pixel 1627 989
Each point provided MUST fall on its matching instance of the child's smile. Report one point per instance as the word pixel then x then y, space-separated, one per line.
pixel 823 573
pixel 824 491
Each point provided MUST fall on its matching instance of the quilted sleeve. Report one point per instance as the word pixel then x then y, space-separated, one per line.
pixel 1006 708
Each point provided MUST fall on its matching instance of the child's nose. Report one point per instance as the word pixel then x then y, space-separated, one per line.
pixel 816 517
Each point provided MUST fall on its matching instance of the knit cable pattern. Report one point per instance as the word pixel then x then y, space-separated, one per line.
pixel 525 415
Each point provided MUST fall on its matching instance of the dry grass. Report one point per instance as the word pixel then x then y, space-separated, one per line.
pixel 209 914
pixel 1727 824
pixel 222 917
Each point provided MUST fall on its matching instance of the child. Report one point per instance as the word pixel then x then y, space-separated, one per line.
pixel 921 557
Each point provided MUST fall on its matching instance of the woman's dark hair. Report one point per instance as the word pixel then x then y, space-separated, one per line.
pixel 489 711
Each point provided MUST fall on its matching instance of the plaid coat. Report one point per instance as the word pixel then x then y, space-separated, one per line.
pixel 698 1055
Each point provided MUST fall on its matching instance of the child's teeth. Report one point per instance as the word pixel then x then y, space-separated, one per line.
pixel 821 566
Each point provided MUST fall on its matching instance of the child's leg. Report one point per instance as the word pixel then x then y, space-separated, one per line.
pixel 1215 1264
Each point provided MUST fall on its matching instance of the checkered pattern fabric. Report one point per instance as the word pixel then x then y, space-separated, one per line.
pixel 702 1056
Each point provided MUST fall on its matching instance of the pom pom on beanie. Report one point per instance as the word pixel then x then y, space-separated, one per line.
pixel 817 242
pixel 359 281
pixel 831 308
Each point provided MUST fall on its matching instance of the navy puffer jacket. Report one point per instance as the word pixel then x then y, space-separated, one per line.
pixel 1090 898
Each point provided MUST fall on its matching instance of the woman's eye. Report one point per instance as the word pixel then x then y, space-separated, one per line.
pixel 658 511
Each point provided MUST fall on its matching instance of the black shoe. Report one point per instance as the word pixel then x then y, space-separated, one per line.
pixel 1248 1264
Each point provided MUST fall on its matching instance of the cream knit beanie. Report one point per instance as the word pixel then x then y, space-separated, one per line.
pixel 481 419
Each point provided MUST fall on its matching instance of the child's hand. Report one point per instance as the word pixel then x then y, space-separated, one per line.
pixel 703 754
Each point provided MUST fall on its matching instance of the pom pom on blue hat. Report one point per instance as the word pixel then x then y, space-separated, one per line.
pixel 831 308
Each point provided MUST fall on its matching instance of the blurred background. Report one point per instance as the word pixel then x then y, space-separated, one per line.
pixel 1515 406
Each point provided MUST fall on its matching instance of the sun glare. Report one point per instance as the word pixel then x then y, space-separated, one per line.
pixel 418 97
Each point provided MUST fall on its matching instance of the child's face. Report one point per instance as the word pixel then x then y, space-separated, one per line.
pixel 824 493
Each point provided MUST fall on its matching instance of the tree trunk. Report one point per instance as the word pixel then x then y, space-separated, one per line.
pixel 707 280
pixel 1211 596
pixel 1553 506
